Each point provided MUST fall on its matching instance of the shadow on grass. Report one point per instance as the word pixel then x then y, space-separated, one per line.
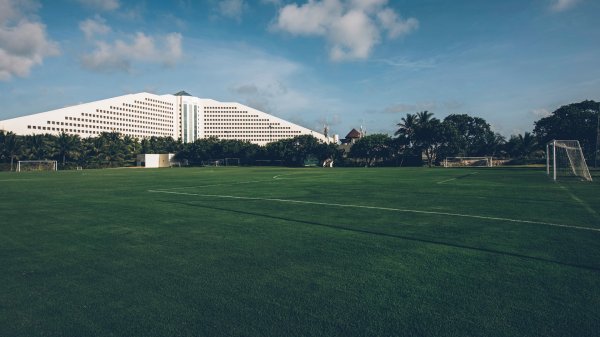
pixel 396 236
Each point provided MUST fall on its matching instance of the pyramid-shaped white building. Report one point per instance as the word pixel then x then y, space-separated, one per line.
pixel 180 116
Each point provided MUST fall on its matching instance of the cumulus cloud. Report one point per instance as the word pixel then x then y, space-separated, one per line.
pixel 394 25
pixel 93 27
pixel 102 5
pixel 351 28
pixel 120 54
pixel 232 9
pixel 562 5
pixel 23 41
pixel 271 2
pixel 261 95
pixel 540 113
pixel 409 108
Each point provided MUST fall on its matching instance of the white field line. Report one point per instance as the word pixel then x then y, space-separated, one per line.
pixel 379 208
pixel 581 202
pixel 277 177
pixel 213 185
pixel 17 179
pixel 447 180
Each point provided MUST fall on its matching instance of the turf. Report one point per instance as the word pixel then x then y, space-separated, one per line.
pixel 299 252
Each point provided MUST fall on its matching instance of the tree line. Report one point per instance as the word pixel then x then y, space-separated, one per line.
pixel 421 135
pixel 421 138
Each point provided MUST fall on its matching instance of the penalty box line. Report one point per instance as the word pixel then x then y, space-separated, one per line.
pixel 379 208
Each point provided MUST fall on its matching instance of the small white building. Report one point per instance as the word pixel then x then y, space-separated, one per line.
pixel 154 160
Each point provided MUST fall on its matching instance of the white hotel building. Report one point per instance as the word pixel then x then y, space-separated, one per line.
pixel 180 116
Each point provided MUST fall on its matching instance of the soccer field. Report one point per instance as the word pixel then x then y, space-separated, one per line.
pixel 299 252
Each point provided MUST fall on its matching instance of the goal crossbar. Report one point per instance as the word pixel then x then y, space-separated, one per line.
pixel 565 158
pixel 468 162
pixel 37 165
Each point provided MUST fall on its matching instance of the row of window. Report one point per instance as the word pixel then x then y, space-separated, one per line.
pixel 154 127
pixel 164 110
pixel 110 123
pixel 163 115
pixel 114 118
pixel 233 135
pixel 227 130
pixel 138 133
pixel 209 115
pixel 157 101
pixel 166 120
pixel 243 126
pixel 270 125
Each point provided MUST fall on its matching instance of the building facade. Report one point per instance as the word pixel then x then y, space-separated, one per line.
pixel 143 115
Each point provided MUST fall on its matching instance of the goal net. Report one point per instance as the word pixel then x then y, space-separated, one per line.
pixel 468 162
pixel 213 162
pixel 36 165
pixel 564 158
pixel 232 161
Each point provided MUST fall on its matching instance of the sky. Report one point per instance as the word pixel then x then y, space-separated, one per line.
pixel 344 64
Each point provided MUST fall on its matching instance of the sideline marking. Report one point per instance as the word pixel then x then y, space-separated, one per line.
pixel 17 179
pixel 229 184
pixel 581 202
pixel 463 176
pixel 277 177
pixel 381 209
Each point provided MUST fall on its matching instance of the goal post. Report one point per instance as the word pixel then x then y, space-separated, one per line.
pixel 232 161
pixel 468 162
pixel 564 158
pixel 37 165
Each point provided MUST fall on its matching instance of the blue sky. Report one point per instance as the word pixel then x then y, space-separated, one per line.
pixel 341 63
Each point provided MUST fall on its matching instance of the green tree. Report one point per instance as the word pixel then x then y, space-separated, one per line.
pixel 521 146
pixel 372 148
pixel 11 147
pixel 37 147
pixel 577 121
pixel 430 136
pixel 67 146
pixel 406 129
pixel 470 135
pixel 112 150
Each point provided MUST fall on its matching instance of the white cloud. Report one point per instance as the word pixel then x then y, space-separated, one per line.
pixel 351 28
pixel 562 5
pixel 119 55
pixel 540 113
pixel 23 42
pixel 271 2
pixel 394 25
pixel 410 108
pixel 93 27
pixel 102 5
pixel 409 64
pixel 368 5
pixel 352 36
pixel 232 9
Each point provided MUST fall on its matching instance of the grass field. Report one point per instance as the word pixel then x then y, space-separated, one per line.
pixel 299 252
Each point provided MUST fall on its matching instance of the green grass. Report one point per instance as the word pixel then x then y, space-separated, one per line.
pixel 94 253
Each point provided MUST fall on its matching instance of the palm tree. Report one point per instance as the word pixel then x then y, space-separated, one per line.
pixel 406 128
pixel 528 144
pixel 424 117
pixel 36 147
pixel 12 146
pixel 67 146
pixel 428 135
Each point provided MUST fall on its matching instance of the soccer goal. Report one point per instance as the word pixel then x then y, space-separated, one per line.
pixel 564 158
pixel 468 162
pixel 36 165
pixel 232 161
